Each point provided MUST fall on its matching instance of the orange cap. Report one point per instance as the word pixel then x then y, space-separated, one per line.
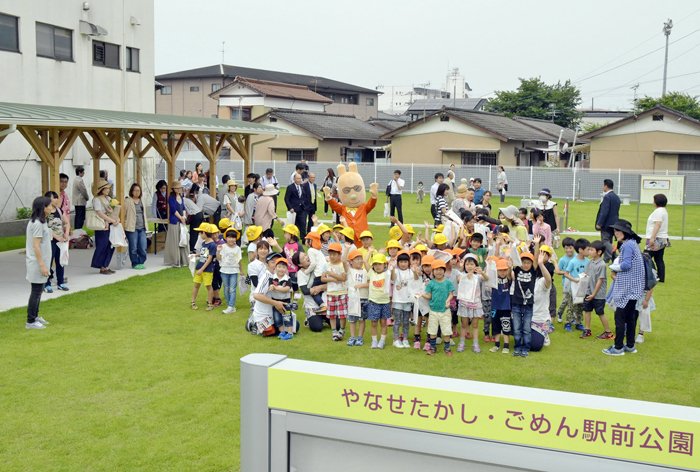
pixel 502 264
pixel 527 255
pixel 283 260
pixel 335 247
pixel 355 253
pixel 438 264
pixel 427 260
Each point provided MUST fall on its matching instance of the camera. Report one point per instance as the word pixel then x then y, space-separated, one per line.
pixel 292 306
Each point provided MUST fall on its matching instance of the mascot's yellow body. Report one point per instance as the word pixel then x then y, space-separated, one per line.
pixel 352 206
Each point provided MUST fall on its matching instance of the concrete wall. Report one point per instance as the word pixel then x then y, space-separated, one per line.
pixel 182 102
pixel 426 148
pixel 636 151
pixel 360 111
pixel 27 78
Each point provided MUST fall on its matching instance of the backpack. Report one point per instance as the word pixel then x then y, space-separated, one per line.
pixel 650 279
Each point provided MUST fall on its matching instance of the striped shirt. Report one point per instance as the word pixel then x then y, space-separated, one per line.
pixel 440 208
pixel 629 282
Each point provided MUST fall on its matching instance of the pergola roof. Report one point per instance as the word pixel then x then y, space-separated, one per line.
pixel 86 118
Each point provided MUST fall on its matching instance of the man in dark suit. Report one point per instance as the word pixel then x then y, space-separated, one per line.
pixel 297 198
pixel 608 214
pixel 311 203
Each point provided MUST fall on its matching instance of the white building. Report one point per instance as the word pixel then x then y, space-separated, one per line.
pixel 97 54
pixel 396 99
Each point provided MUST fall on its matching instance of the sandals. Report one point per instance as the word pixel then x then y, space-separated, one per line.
pixel 194 306
pixel 210 306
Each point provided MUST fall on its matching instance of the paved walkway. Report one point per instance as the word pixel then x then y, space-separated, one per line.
pixel 14 288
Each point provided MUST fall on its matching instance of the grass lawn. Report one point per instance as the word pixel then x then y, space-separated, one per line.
pixel 127 377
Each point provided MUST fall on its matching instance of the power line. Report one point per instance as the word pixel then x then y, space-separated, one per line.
pixel 650 82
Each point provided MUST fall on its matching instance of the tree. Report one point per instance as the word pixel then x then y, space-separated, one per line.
pixel 536 99
pixel 678 101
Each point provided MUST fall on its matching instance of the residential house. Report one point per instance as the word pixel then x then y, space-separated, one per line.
pixel 189 92
pixel 657 139
pixel 427 106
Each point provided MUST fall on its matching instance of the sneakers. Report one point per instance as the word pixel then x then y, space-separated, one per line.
pixel 335 336
pixel 416 344
pixel 494 349
pixel 611 351
pixel 406 344
pixel 567 327
pixel 460 348
pixel 48 289
pixel 430 352
pixel 228 310
pixel 580 327
pixel 380 344
pixel 559 320
pixel 210 306
pixel 63 287
pixel 375 344
pixel 639 339
pixel 505 351
pixel 285 336
pixel 427 346
pixel 42 321
pixel 390 322
pixel 630 350
pixel 605 335
pixel 35 325
pixel 476 349
pixel 516 353
pixel 488 339
pixel 341 333
pixel 359 341
pixel 398 344
pixel 351 341
pixel 524 353
pixel 438 341
pixel 586 334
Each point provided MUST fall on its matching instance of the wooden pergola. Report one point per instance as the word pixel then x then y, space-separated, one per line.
pixel 52 131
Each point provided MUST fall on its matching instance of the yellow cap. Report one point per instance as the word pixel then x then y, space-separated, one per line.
pixel 409 229
pixel 366 234
pixel 378 258
pixel 440 239
pixel 253 232
pixel 224 224
pixel 393 243
pixel 547 249
pixel 421 247
pixel 338 227
pixel 395 233
pixel 203 227
pixel 348 233
pixel 293 230
pixel 440 228
pixel 213 228
pixel 322 228
pixel 232 231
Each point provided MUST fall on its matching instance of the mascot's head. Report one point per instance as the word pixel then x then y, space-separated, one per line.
pixel 351 187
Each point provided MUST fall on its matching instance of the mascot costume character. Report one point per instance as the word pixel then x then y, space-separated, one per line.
pixel 352 206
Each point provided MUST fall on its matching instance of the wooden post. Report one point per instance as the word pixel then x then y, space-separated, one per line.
pixel 44 177
pixel 138 156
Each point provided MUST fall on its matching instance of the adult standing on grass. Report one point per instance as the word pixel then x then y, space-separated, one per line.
pixel 296 199
pixel 103 248
pixel 395 190
pixel 135 224
pixel 627 288
pixel 265 215
pixel 59 227
pixel 311 204
pixel 502 183
pixel 549 209
pixel 38 258
pixel 657 234
pixel 439 179
pixel 608 214
pixel 176 255
pixel 80 197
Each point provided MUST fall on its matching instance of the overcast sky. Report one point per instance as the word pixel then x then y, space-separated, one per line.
pixel 411 42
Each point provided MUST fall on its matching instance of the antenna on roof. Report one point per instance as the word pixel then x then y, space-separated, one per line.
pixel 223 52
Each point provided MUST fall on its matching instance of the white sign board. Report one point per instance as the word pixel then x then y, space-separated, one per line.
pixel 673 186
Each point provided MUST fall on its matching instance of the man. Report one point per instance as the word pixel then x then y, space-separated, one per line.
pixel 63 198
pixel 270 179
pixel 80 197
pixel 298 170
pixel 395 190
pixel 478 191
pixel 439 178
pixel 608 214
pixel 296 199
pixel 250 202
pixel 311 203
pixel 210 206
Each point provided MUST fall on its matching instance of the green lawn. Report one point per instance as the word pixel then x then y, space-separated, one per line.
pixel 127 377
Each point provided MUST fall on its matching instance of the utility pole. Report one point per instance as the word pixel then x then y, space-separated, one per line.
pixel 223 52
pixel 667 32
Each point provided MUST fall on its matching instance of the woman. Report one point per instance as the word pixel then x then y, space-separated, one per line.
pixel 486 200
pixel 230 199
pixel 548 209
pixel 135 225
pixel 508 216
pixel 58 224
pixel 159 204
pixel 38 258
pixel 103 208
pixel 265 215
pixel 198 169
pixel 460 203
pixel 440 203
pixel 176 255
pixel 329 182
pixel 195 216
pixel 657 234
pixel 187 181
pixel 627 288
pixel 502 183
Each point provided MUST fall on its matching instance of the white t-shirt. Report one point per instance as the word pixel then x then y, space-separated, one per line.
pixel 336 288
pixel 253 247
pixel 230 262
pixel 262 310
pixel 256 268
pixel 357 277
pixel 433 193
pixel 318 261
pixel 540 309
pixel 660 214
pixel 402 286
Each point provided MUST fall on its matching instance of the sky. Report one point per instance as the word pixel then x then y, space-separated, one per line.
pixel 408 42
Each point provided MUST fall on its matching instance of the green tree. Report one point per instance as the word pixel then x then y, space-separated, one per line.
pixel 678 101
pixel 536 99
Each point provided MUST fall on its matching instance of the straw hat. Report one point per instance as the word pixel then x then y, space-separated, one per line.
pixel 175 185
pixel 231 183
pixel 102 184
pixel 462 190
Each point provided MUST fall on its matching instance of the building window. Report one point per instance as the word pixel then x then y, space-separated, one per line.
pixel 370 102
pixel 479 158
pixel 299 154
pixel 215 87
pixel 242 114
pixel 194 88
pixel 657 117
pixel 689 162
pixel 132 59
pixel 347 99
pixel 9 33
pixel 166 90
pixel 105 54
pixel 54 42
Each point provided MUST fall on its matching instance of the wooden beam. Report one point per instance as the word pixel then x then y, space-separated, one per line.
pixel 44 177
pixel 55 150
pixel 36 142
pixel 70 138
pixel 135 137
pixel 234 145
pixel 138 158
pixel 247 165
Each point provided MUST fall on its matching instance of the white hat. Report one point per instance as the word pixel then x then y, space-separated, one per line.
pixel 270 190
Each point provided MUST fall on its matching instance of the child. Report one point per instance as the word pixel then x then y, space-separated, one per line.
pixel 469 296
pixel 402 301
pixel 596 291
pixel 253 234
pixel 574 269
pixel 522 299
pixel 291 246
pixel 358 293
pixel 560 269
pixel 522 215
pixel 476 248
pixel 281 290
pixel 540 227
pixel 367 250
pixel 420 192
pixel 217 281
pixel 229 256
pixel 378 305
pixel 500 304
pixel 336 276
pixel 325 232
pixel 348 241
pixel 541 320
pixel 317 266
pixel 439 292
pixel 426 274
pixel 204 270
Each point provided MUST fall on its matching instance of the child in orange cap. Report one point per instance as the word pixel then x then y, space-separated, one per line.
pixel 500 303
pixel 426 275
pixel 439 292
pixel 335 276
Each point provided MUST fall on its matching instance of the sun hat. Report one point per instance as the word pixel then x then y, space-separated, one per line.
pixel 253 232
pixel 414 251
pixel 378 258
pixel 395 233
pixel 322 228
pixel 232 230
pixel 272 256
pixel 355 253
pixel 427 260
pixel 292 229
pixel 510 212
pixel 527 255
pixel 224 224
pixel 313 235
pixel 502 264
pixel 547 249
pixel 101 184
pixel 231 183
pixel 440 239
pixel 545 191
pixel 335 247
pixel 270 190
pixel 457 251
pixel 472 257
pixel 175 184
pixel 438 264
pixel 462 190
pixel 366 234
pixel 348 232
pixel 625 227
pixel 203 227
pixel 281 260
pixel 392 243
pixel 338 227
pixel 213 228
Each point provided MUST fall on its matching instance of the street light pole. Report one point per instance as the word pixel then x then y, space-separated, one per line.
pixel 667 32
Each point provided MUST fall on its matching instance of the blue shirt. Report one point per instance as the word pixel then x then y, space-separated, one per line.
pixel 629 282
pixel 500 297
pixel 208 249
pixel 563 264
pixel 479 195
pixel 440 292
pixel 577 266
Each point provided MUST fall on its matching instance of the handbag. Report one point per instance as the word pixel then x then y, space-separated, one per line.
pixel 93 221
pixel 63 247
pixel 184 236
pixel 386 210
pixel 117 236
